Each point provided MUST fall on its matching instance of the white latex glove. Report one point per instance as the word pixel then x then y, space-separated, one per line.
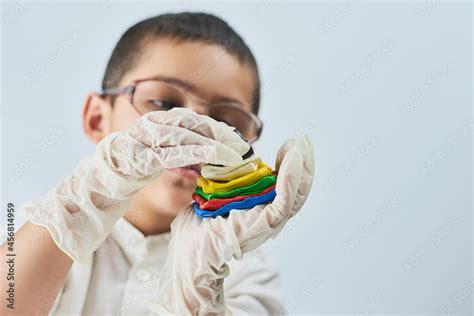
pixel 192 279
pixel 80 211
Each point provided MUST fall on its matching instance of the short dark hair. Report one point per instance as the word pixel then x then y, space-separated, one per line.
pixel 192 26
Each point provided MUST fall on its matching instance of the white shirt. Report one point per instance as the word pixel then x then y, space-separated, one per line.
pixel 122 277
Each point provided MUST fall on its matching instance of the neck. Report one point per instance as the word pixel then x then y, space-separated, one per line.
pixel 148 222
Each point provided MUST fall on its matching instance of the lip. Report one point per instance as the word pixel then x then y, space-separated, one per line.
pixel 191 171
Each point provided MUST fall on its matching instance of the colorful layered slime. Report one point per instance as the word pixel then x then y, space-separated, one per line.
pixel 221 189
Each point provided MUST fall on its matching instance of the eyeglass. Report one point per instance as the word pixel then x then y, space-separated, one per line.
pixel 156 95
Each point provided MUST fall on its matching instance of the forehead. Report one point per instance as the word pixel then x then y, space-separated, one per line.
pixel 208 68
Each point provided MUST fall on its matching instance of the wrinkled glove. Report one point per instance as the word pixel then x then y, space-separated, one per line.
pixel 80 211
pixel 192 279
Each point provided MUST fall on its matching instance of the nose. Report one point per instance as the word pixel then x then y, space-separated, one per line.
pixel 200 108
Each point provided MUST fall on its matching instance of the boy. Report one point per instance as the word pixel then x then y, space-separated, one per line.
pixel 112 216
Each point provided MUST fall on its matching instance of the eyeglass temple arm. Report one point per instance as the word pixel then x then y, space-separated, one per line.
pixel 115 90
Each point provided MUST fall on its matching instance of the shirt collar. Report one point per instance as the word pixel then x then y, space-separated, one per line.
pixel 134 244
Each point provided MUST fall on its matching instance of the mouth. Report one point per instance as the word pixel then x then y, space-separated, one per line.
pixel 191 171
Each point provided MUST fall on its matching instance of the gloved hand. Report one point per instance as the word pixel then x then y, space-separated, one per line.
pixel 191 282
pixel 80 211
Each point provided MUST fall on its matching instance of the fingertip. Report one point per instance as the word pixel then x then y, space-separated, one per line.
pixel 220 154
pixel 307 140
pixel 241 147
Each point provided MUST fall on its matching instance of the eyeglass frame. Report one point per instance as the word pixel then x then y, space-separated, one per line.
pixel 129 91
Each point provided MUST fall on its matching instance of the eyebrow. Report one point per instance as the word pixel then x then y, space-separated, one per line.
pixel 179 82
pixel 192 88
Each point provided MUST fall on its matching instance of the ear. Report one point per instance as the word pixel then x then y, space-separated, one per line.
pixel 96 117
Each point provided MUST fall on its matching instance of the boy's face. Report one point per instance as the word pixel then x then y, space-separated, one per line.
pixel 214 74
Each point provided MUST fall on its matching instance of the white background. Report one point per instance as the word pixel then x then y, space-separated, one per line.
pixel 384 90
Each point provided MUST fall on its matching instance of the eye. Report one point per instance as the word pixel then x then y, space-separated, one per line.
pixel 164 104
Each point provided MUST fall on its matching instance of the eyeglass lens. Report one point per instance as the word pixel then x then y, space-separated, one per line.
pixel 160 96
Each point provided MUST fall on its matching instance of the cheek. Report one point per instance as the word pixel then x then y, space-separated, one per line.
pixel 123 114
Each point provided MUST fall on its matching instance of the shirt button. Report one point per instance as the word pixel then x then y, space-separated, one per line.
pixel 143 275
